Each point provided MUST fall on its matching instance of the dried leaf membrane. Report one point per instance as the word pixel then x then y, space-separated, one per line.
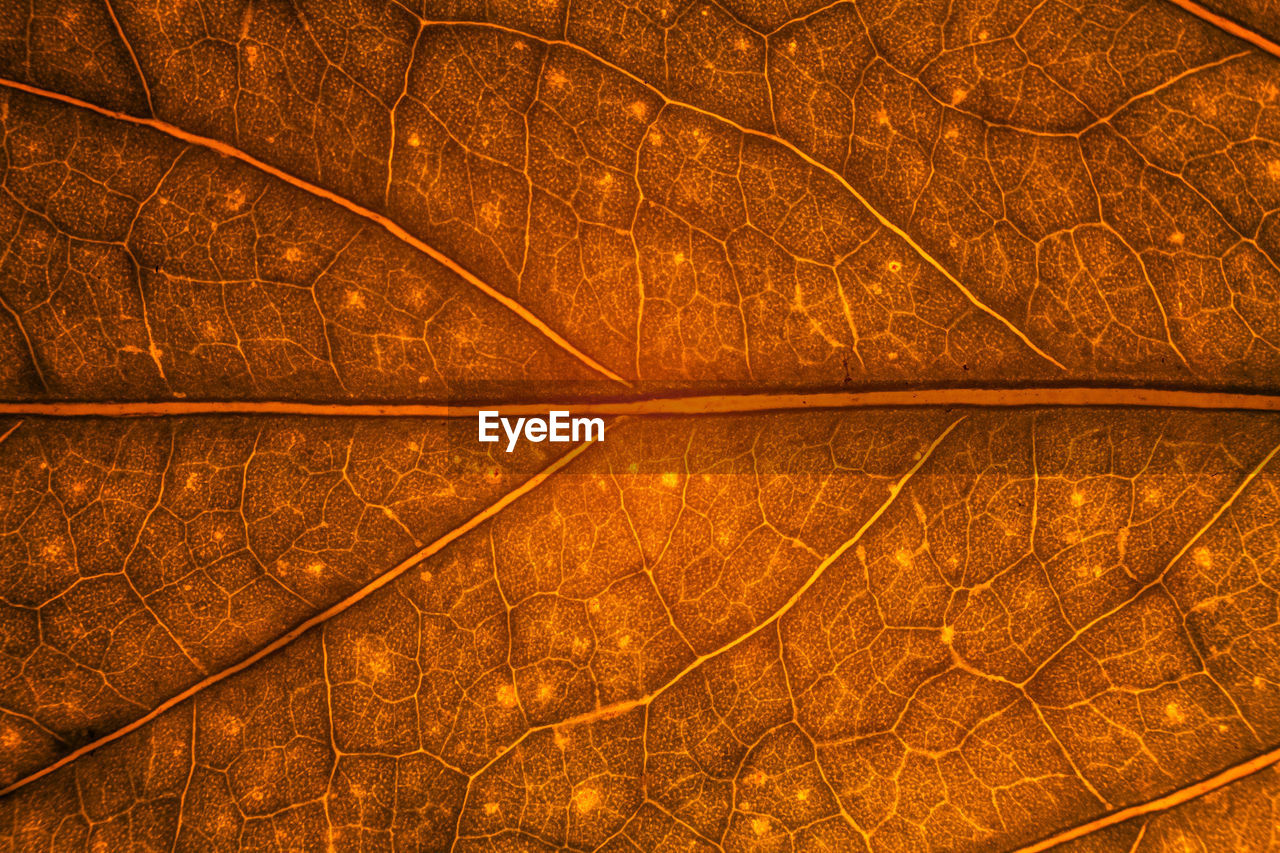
pixel 908 628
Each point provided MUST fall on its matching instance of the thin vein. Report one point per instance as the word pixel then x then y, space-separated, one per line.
pixel 319 619
pixel 142 80
pixel 713 404
pixel 794 149
pixel 1137 842
pixel 1244 483
pixel 1155 90
pixel 384 222
pixel 623 707
pixel 1229 26
pixel 9 431
pixel 31 350
pixel 1160 804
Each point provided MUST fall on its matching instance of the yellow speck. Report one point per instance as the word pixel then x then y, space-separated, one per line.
pixel 293 253
pixel 1177 238
pixel 1203 557
pixel 760 826
pixel 893 266
pixel 670 479
pixel 882 117
pixel 903 556
pixel 948 634
pixel 544 692
pixel 413 445
pixel 655 139
pixel 1174 714
pixel 1151 496
pixel 426 575
pixel 624 641
pixel 678 257
pixel 791 47
pixel 958 95
pixel 506 696
pixel 491 808
pixel 951 133
pixel 639 110
pixel 1273 170
pixel 556 78
pixel 604 180
pixel 983 35
pixel 741 45
pixel 1258 682
pixel 1077 499
pixel 633 468
pixel 355 298
pixel 316 568
pixel 1222 727
pixel 585 800
pixel 414 140
pixel 802 794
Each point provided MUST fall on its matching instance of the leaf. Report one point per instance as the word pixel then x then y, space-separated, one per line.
pixel 1257 17
pixel 938 346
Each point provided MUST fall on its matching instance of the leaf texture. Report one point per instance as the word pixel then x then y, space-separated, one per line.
pixel 1250 18
pixel 261 588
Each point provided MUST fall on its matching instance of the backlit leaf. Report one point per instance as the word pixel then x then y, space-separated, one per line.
pixel 938 347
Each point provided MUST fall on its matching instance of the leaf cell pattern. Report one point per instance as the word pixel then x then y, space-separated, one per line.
pixel 261 588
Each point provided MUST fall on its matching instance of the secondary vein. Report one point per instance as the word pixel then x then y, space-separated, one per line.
pixel 379 219
pixel 316 620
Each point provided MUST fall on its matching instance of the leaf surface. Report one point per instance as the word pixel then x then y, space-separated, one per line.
pixel 262 588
